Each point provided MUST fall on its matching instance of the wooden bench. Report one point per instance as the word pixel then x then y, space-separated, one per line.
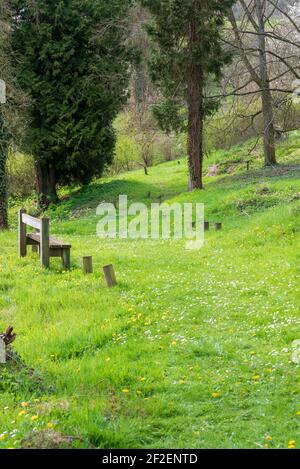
pixel 41 240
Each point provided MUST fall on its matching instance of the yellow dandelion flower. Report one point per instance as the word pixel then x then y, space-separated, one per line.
pixel 34 418
pixel 142 379
pixel 256 378
pixel 174 343
pixel 50 425
pixel 269 438
pixel 298 413
pixel 23 412
pixel 125 391
pixel 216 395
pixel 2 437
pixel 24 404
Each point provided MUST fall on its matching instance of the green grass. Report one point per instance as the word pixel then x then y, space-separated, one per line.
pixel 192 349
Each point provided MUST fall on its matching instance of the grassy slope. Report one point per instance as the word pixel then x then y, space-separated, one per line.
pixel 192 349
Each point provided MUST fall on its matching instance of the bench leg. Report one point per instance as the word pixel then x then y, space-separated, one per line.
pixel 22 235
pixel 44 244
pixel 66 259
pixel 35 247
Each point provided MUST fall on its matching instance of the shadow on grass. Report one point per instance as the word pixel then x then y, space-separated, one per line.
pixel 89 197
pixel 282 171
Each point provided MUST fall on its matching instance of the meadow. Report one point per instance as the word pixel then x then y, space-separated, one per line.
pixel 192 349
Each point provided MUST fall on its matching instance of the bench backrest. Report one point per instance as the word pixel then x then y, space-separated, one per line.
pixel 42 225
pixel 31 221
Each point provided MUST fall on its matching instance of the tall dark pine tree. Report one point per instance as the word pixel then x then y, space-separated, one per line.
pixel 187 54
pixel 73 64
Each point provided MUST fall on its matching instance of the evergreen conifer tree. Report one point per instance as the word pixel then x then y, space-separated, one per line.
pixel 72 62
pixel 187 54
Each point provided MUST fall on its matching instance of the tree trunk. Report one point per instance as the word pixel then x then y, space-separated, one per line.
pixel 140 84
pixel 3 212
pixel 269 131
pixel 3 191
pixel 195 115
pixel 3 176
pixel 267 105
pixel 46 184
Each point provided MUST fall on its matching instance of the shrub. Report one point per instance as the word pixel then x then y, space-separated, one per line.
pixel 21 175
pixel 168 148
pixel 126 154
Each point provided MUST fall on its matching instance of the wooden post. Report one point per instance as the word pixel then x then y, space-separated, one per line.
pixel 44 246
pixel 218 226
pixel 87 265
pixel 66 259
pixel 206 226
pixel 110 276
pixel 2 351
pixel 22 235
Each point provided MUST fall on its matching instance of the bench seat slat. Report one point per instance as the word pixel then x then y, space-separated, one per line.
pixel 54 243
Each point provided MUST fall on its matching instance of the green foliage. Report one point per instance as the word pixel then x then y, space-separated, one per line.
pixel 19 380
pixel 168 148
pixel 170 116
pixel 21 175
pixel 72 61
pixel 128 154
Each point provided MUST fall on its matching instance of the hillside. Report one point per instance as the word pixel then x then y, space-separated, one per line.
pixel 192 349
